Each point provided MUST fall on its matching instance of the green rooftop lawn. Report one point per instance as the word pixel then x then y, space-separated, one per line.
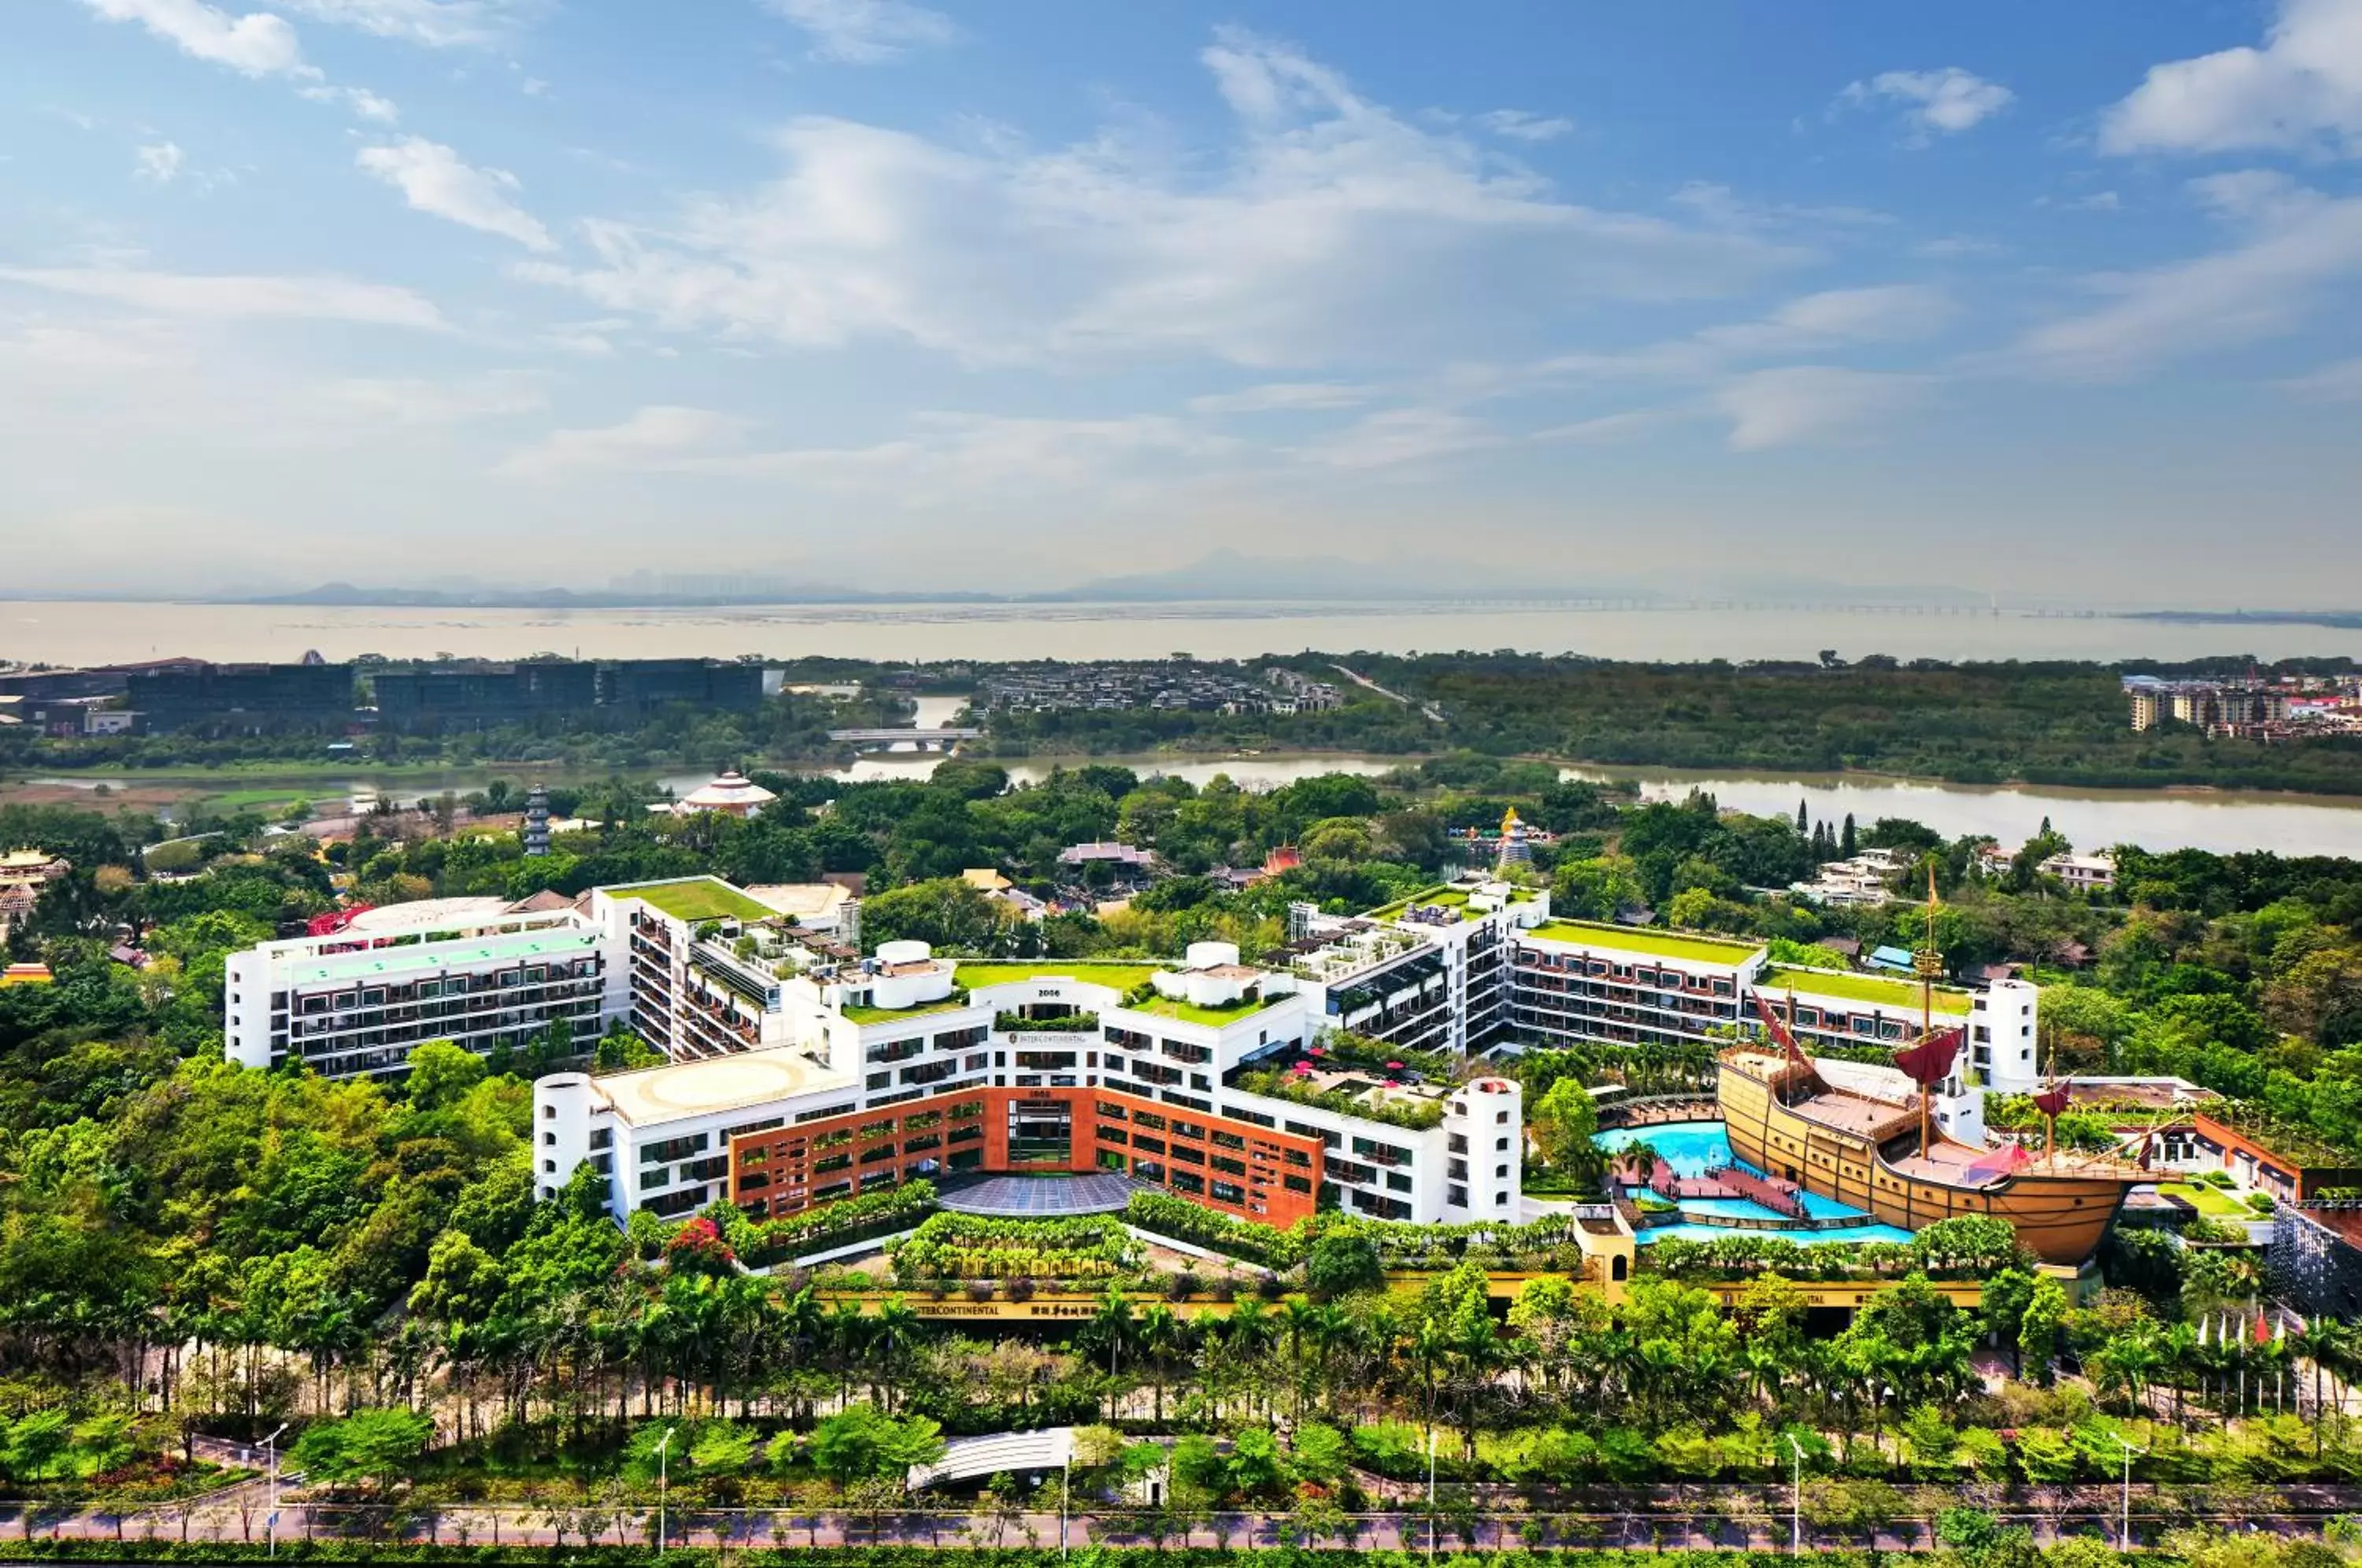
pixel 698 898
pixel 1119 978
pixel 1871 988
pixel 2206 1199
pixel 1189 1012
pixel 898 1014
pixel 1660 944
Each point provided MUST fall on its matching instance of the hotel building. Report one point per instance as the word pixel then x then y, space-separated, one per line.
pixel 798 1071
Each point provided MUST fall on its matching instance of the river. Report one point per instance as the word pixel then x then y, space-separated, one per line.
pixel 2160 820
pixel 59 631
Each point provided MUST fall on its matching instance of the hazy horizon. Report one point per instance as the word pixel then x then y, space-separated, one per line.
pixel 2054 305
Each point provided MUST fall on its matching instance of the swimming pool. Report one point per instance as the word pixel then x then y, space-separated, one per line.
pixel 1687 1232
pixel 1692 1148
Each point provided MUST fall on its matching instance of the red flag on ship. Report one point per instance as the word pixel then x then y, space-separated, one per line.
pixel 2054 1100
pixel 1929 1062
pixel 2263 1330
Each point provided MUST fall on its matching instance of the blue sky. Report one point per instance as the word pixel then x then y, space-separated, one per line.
pixel 2048 301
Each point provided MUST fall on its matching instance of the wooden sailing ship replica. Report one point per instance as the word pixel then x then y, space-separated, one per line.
pixel 1885 1155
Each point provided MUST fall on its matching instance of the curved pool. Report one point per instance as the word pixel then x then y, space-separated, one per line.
pixel 1692 1148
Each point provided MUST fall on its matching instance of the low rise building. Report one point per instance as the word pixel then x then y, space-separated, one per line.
pixel 2081 873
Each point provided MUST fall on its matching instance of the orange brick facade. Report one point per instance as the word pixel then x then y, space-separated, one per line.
pixel 1236 1167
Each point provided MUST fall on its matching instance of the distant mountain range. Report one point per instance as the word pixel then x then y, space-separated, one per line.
pixel 1225 575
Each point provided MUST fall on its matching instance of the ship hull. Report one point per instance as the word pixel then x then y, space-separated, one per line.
pixel 2059 1218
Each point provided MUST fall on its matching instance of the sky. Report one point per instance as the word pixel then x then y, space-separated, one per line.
pixel 2052 301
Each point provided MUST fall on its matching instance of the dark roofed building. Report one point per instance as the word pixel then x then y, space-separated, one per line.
pixel 244 699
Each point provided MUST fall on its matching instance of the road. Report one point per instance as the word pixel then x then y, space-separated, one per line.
pixel 241 1514
pixel 1430 709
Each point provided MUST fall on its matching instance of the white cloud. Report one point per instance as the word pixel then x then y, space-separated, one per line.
pixel 657 438
pixel 1720 205
pixel 2340 382
pixel 866 32
pixel 437 24
pixel 235 297
pixel 257 44
pixel 360 100
pixel 420 402
pixel 1611 429
pixel 431 177
pixel 1396 435
pixel 1958 246
pixel 159 163
pixel 1800 402
pixel 1333 231
pixel 2293 243
pixel 1520 124
pixel 1282 397
pixel 1936 103
pixel 1885 313
pixel 2302 89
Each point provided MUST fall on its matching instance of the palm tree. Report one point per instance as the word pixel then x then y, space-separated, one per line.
pixel 898 1333
pixel 1161 1334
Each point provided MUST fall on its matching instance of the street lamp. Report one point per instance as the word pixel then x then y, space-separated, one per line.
pixel 1796 1497
pixel 271 1523
pixel 663 1480
pixel 2128 1516
pixel 1431 1492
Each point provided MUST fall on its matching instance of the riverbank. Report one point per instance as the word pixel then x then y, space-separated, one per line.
pixel 2173 817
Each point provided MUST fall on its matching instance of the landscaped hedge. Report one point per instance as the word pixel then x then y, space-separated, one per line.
pixel 44 1549
pixel 966 1246
pixel 840 1223
pixel 1185 1221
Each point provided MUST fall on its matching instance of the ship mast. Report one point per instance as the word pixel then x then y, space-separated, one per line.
pixel 1928 961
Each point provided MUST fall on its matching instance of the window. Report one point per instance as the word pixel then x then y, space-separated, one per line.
pixel 1228 1192
pixel 672 1149
pixel 1189 1182
pixel 1235 1167
pixel 603 1137
pixel 1500 1172
pixel 548 1113
pixel 1142 1141
pixel 1297 1183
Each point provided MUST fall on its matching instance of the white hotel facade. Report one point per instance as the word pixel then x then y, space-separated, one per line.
pixel 800 1072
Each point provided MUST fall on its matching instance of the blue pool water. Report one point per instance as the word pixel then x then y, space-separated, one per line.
pixel 1694 1147
pixel 1802 1238
pixel 1688 1146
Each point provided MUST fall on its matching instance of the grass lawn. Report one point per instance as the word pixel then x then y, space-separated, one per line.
pixel 1870 988
pixel 897 1014
pixel 1188 1012
pixel 1118 977
pixel 698 898
pixel 2209 1200
pixel 1660 944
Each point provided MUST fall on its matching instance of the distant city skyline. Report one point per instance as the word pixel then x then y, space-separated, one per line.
pixel 2051 304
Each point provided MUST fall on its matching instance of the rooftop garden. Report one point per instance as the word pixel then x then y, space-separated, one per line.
pixel 698 898
pixel 1871 988
pixel 1656 943
pixel 860 1013
pixel 1115 977
pixel 1191 1012
pixel 2294 1145
pixel 1412 1114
